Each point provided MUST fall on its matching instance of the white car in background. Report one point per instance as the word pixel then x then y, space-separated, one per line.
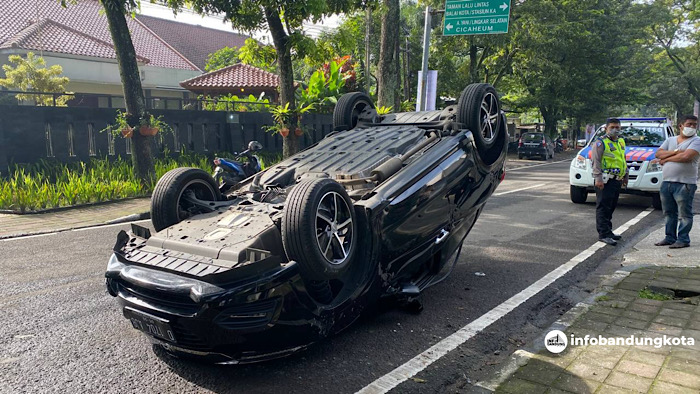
pixel 643 136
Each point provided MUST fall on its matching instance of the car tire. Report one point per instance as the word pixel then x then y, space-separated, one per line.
pixel 656 201
pixel 348 109
pixel 578 194
pixel 168 207
pixel 316 207
pixel 480 111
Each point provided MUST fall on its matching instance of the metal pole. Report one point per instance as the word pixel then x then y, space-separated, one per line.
pixel 696 108
pixel 422 89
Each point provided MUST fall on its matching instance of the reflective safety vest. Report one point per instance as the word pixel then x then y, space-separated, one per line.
pixel 614 160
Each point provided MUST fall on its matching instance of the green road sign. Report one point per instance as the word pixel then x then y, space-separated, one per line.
pixel 476 17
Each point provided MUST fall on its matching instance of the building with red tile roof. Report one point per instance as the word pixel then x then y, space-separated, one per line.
pixel 239 79
pixel 193 41
pixel 78 39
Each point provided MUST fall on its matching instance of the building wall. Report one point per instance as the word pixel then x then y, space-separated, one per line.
pixel 101 76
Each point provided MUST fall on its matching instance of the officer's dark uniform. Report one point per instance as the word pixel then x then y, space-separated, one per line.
pixel 608 158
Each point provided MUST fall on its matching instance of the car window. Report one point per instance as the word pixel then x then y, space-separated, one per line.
pixel 532 137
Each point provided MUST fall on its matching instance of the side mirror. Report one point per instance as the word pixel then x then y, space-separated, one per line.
pixel 254 146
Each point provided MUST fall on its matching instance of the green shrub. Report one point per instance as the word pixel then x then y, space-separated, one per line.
pixel 49 184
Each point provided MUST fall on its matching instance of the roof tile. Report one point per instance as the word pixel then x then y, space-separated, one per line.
pixel 236 76
pixel 71 25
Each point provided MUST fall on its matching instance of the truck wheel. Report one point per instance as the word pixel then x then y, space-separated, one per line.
pixel 168 207
pixel 480 110
pixel 656 201
pixel 319 230
pixel 578 194
pixel 348 109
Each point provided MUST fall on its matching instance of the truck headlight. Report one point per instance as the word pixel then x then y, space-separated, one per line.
pixel 654 167
pixel 580 162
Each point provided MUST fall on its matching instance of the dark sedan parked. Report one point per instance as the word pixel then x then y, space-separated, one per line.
pixel 378 208
pixel 535 144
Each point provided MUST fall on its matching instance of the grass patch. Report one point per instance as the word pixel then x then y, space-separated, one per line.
pixel 50 184
pixel 651 295
pixel 602 298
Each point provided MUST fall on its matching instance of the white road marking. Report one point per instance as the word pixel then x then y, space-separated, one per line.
pixel 535 165
pixel 75 230
pixel 440 349
pixel 519 190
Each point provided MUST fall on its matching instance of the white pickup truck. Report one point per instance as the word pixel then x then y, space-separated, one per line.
pixel 643 136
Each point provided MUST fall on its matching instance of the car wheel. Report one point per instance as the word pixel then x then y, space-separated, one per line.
pixel 168 203
pixel 656 201
pixel 319 230
pixel 480 111
pixel 578 194
pixel 348 109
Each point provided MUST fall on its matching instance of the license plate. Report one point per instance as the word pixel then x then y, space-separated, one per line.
pixel 151 325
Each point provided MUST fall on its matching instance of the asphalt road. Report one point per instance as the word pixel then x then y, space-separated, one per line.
pixel 61 332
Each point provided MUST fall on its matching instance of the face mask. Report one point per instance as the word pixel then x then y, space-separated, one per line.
pixel 614 132
pixel 689 131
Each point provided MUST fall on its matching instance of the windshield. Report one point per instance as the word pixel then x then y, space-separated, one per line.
pixel 640 135
pixel 532 137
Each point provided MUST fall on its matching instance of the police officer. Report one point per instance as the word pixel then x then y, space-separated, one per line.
pixel 610 174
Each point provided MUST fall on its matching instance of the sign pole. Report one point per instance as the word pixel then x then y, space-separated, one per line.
pixel 422 88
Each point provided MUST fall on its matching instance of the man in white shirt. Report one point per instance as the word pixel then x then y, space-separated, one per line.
pixel 680 157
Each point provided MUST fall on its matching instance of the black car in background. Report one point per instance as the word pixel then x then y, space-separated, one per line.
pixel 378 208
pixel 535 144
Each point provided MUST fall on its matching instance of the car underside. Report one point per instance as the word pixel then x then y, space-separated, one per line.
pixel 379 208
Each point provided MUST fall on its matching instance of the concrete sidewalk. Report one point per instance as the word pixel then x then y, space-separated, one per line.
pixel 12 225
pixel 645 253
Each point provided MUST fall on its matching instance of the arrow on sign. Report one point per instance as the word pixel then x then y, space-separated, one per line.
pixel 449 26
pixel 503 6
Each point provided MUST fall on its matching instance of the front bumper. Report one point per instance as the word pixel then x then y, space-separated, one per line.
pixel 640 180
pixel 248 321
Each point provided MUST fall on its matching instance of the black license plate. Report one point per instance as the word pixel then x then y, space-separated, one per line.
pixel 151 325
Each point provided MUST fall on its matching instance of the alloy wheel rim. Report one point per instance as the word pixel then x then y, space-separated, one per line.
pixel 333 228
pixel 489 116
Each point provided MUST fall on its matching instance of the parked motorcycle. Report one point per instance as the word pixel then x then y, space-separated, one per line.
pixel 558 145
pixel 229 172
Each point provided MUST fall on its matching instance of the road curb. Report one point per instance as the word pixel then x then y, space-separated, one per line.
pixel 521 357
pixel 123 219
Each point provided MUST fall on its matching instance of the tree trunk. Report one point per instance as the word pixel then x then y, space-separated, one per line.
pixel 290 144
pixel 386 80
pixel 397 73
pixel 141 155
pixel 473 62
pixel 550 120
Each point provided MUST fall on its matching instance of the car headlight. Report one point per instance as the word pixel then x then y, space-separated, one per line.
pixel 654 167
pixel 580 162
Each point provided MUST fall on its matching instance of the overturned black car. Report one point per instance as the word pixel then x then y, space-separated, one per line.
pixel 378 208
